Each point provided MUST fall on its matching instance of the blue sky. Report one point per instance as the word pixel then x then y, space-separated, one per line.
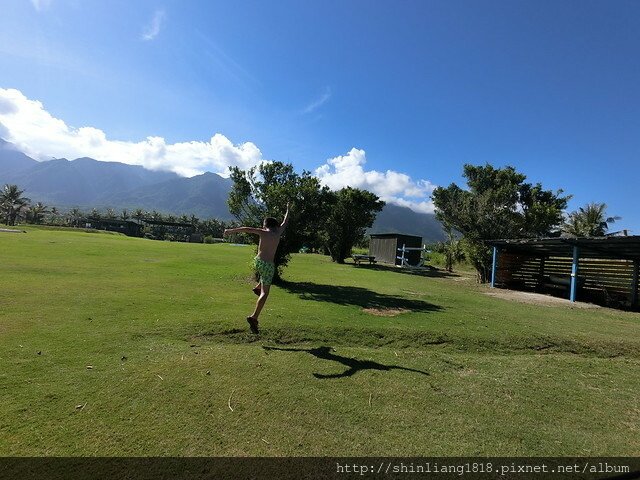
pixel 393 96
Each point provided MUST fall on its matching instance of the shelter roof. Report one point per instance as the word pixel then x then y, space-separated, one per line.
pixel 627 248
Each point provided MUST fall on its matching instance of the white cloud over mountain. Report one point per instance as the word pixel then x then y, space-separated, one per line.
pixel 390 186
pixel 27 124
pixel 36 132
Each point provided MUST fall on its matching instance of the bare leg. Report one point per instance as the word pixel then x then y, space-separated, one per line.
pixel 261 300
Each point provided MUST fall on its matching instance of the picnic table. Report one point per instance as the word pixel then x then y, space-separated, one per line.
pixel 363 258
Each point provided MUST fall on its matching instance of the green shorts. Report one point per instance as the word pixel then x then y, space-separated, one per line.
pixel 265 269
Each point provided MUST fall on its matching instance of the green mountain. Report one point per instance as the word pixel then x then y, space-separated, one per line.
pixel 87 183
pixel 396 219
pixel 12 160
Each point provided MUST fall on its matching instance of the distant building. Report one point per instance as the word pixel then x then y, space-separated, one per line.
pixel 156 229
pixel 131 228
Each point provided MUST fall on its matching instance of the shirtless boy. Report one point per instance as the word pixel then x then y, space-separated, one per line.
pixel 270 234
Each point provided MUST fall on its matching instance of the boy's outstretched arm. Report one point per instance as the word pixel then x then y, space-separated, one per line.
pixel 255 231
pixel 285 221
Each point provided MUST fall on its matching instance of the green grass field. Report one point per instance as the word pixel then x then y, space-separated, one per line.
pixel 174 370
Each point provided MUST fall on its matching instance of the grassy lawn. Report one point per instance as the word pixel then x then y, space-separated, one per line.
pixel 174 371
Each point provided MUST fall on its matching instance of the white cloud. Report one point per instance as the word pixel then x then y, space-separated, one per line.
pixel 40 5
pixel 393 187
pixel 152 30
pixel 324 98
pixel 40 135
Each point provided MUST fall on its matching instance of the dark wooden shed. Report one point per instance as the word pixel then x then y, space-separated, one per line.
pixel 384 246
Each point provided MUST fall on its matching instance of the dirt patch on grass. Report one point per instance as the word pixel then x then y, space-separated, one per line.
pixel 537 299
pixel 385 312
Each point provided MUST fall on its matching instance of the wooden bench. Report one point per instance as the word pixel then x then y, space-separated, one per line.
pixel 363 258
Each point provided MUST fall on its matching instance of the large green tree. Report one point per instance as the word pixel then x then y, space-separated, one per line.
pixel 12 203
pixel 265 190
pixel 351 212
pixel 497 204
pixel 589 221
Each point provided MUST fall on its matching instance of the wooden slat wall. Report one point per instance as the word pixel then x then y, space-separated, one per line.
pixel 614 275
pixel 603 279
pixel 518 271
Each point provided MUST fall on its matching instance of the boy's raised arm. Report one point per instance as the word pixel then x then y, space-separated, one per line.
pixel 255 231
pixel 285 221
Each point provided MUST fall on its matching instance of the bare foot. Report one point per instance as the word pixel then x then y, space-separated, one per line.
pixel 253 325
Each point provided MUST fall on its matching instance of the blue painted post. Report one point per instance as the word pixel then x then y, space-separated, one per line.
pixel 493 267
pixel 574 274
pixel 634 283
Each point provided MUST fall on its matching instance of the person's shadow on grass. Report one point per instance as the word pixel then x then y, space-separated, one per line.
pixel 355 365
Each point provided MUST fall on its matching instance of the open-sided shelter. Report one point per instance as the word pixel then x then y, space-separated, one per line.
pixel 602 270
pixel 131 227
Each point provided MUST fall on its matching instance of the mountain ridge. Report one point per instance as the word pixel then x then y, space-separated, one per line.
pixel 88 183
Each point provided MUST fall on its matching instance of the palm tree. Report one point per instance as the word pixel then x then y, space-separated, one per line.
pixel 590 221
pixel 35 213
pixel 111 214
pixel 12 203
pixel 74 217
pixel 125 214
pixel 453 251
pixel 53 215
pixel 139 214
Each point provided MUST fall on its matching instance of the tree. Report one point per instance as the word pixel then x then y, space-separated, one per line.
pixel 212 227
pixel 352 211
pixel 111 214
pixel 12 203
pixel 35 213
pixel 497 205
pixel 53 215
pixel 156 216
pixel 264 191
pixel 125 215
pixel 453 248
pixel 590 221
pixel 139 214
pixel 74 216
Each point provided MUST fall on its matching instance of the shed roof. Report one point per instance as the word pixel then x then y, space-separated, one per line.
pixel 594 247
pixel 393 234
